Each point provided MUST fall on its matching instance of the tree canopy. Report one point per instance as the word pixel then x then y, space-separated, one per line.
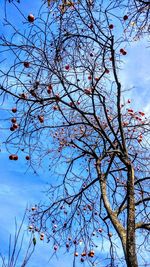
pixel 62 77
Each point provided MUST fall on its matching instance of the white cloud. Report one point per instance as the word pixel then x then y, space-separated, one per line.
pixel 135 75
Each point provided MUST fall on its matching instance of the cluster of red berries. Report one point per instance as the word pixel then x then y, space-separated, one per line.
pixel 123 52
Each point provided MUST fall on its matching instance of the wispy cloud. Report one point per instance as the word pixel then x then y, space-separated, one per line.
pixel 135 75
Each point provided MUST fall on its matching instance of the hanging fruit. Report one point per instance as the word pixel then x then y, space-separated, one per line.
pixel 31 18
pixel 125 17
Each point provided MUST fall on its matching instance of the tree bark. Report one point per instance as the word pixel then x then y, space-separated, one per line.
pixel 131 257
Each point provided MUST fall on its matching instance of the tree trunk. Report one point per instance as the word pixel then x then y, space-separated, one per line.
pixel 131 257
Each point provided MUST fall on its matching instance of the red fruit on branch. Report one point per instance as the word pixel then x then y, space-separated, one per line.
pixel 141 113
pixel 88 91
pixel 90 207
pixel 121 50
pixel 15 157
pixel 33 208
pixel 125 17
pixel 27 157
pixel 106 71
pixel 26 64
pixel 50 87
pixel 49 90
pixel 31 227
pixel 12 129
pixel 89 77
pixel 76 254
pixel 57 97
pixel 13 120
pixel 14 110
pixel 41 118
pixel 91 253
pixel 55 247
pixel 11 157
pixel 124 53
pixel 71 104
pixel 83 254
pixel 91 26
pixel 31 18
pixel 55 108
pixel 42 234
pixel 23 95
pixel 65 225
pixel 67 67
pixel 67 245
pixel 111 26
pixel 130 110
pixel 32 92
pixel 15 125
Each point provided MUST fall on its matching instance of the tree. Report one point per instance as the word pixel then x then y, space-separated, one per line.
pixel 16 250
pixel 64 77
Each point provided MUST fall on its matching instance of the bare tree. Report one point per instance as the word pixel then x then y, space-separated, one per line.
pixel 64 77
pixel 16 249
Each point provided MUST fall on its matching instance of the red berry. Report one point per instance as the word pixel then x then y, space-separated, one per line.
pixel 11 157
pixel 67 67
pixel 15 125
pixel 41 118
pixel 67 245
pixel 124 53
pixel 106 71
pixel 13 120
pixel 12 129
pixel 125 17
pixel 83 254
pixel 31 18
pixel 27 157
pixel 14 110
pixel 76 254
pixel 26 64
pixel 121 50
pixel 91 26
pixel 55 247
pixel 49 90
pixel 111 26
pixel 141 113
pixel 15 157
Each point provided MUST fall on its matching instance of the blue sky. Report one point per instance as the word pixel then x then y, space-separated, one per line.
pixel 19 188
